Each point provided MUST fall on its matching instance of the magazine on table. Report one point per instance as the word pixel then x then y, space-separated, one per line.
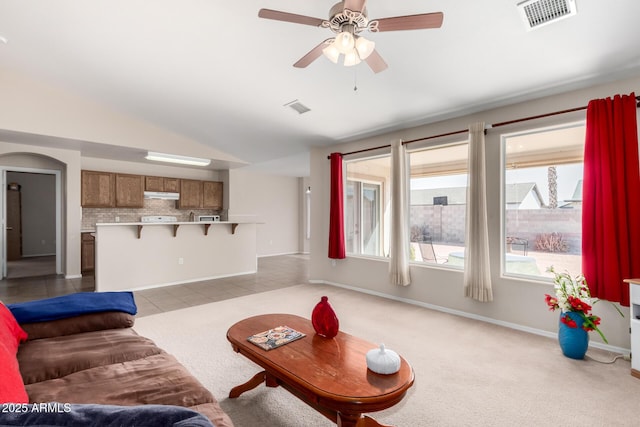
pixel 276 337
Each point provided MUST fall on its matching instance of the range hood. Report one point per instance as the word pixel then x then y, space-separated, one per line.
pixel 161 195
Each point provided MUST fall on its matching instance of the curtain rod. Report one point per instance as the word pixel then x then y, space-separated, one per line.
pixel 495 125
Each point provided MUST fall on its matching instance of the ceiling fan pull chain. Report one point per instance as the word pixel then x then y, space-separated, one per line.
pixel 355 79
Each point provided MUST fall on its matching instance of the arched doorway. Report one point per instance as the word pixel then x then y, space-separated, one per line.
pixel 31 199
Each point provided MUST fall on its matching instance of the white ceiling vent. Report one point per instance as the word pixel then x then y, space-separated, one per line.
pixel 297 106
pixel 537 13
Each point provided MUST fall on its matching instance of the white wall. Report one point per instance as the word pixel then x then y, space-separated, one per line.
pixel 273 202
pixel 157 258
pixel 33 107
pixel 516 302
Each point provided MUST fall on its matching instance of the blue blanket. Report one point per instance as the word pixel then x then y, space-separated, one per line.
pixel 73 305
pixel 75 415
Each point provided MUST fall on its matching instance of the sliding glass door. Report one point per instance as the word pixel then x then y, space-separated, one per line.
pixel 362 218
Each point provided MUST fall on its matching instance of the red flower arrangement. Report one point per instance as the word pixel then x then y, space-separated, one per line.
pixel 572 294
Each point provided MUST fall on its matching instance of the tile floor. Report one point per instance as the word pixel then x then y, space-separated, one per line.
pixel 273 273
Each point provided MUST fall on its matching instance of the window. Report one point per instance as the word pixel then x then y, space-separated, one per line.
pixel 542 201
pixel 438 204
pixel 367 206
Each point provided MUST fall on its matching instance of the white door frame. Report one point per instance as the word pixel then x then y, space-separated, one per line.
pixel 3 210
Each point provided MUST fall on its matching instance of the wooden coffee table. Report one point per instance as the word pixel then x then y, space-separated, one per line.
pixel 330 375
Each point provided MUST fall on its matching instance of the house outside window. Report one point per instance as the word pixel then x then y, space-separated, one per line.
pixel 438 185
pixel 542 201
pixel 367 206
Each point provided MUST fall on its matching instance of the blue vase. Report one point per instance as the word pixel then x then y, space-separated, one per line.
pixel 573 341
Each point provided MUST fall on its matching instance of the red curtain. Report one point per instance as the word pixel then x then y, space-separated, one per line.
pixel 611 198
pixel 336 212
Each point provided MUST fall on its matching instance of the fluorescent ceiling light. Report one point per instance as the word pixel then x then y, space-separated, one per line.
pixel 174 158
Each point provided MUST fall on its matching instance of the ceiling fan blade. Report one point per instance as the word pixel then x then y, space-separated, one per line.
pixel 411 22
pixel 355 5
pixel 311 56
pixel 289 17
pixel 376 62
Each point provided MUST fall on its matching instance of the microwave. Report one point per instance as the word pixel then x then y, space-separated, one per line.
pixel 209 218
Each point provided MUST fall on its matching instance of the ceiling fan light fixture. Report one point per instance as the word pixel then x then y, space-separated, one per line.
pixel 351 58
pixel 365 47
pixel 344 42
pixel 331 52
pixel 347 20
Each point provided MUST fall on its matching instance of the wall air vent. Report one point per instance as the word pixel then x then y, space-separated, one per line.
pixel 537 13
pixel 297 106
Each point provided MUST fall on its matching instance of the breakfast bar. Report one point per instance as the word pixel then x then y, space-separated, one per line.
pixel 142 255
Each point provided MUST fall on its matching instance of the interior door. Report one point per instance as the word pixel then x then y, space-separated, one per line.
pixel 14 225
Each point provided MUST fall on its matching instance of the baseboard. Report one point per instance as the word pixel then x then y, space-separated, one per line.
pixel 602 346
pixel 182 282
pixel 635 373
pixel 38 255
pixel 280 254
pixel 73 276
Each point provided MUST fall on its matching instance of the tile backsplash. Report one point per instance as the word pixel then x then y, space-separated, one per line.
pixel 91 216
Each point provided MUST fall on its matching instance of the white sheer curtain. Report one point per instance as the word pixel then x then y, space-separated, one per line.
pixel 399 236
pixel 477 273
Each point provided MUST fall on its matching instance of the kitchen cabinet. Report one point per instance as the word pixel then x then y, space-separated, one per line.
pixel 153 183
pixel 159 183
pixel 98 189
pixel 87 252
pixel 190 194
pixel 212 195
pixel 129 191
pixel 172 185
pixel 200 194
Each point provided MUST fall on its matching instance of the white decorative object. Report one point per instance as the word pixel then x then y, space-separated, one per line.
pixel 383 361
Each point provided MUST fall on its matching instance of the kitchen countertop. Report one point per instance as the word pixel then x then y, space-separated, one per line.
pixel 174 223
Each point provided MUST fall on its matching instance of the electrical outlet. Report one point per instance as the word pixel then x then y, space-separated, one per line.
pixel 180 261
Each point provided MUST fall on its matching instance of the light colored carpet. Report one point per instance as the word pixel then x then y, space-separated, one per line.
pixel 468 373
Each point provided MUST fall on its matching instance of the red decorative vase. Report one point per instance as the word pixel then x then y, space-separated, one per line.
pixel 324 319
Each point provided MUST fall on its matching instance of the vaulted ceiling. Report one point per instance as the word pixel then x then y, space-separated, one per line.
pixel 216 73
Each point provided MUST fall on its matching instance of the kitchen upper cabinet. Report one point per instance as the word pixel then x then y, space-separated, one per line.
pixel 172 185
pixel 159 183
pixel 153 183
pixel 190 194
pixel 129 191
pixel 212 195
pixel 200 194
pixel 98 189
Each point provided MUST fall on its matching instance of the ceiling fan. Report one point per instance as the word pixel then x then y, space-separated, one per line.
pixel 348 19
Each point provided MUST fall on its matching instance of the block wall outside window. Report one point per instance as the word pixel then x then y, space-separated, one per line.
pixel 437 209
pixel 542 201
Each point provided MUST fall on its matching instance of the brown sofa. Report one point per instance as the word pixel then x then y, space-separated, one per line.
pixel 98 358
